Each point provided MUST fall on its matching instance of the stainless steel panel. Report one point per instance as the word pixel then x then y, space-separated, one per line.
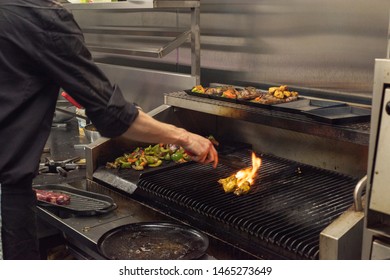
pixel 136 4
pixel 380 250
pixel 146 87
pixel 377 218
pixel 341 239
pixel 321 45
pixel 380 193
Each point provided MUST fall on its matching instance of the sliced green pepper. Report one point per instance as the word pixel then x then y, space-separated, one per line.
pixel 126 164
pixel 137 167
pixel 158 163
pixel 151 159
pixel 176 156
pixel 167 156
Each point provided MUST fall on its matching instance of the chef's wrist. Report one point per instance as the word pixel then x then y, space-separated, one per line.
pixel 183 137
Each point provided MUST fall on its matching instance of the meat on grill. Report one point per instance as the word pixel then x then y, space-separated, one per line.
pixel 52 197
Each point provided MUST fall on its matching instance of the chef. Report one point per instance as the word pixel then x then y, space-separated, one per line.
pixel 42 49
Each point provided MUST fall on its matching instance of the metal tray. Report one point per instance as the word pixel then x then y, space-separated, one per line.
pixel 340 115
pixel 211 96
pixel 304 104
pixel 82 203
pixel 247 102
pixel 153 241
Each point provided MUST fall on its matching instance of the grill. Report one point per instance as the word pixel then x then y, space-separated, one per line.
pixel 282 217
pixel 300 206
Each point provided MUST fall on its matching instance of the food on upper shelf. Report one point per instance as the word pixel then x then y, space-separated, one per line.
pixel 282 92
pixel 52 197
pixel 274 95
pixel 198 89
pixel 277 95
pixel 151 156
pixel 249 93
pixel 230 92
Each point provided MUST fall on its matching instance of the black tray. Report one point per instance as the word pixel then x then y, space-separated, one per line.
pixel 267 106
pixel 340 115
pixel 239 100
pixel 82 203
pixel 211 96
pixel 304 104
pixel 203 95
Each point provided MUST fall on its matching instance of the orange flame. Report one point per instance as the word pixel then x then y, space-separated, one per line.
pixel 249 174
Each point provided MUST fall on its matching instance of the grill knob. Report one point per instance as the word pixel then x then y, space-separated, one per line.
pixel 388 108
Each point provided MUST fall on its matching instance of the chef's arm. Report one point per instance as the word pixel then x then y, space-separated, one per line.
pixel 149 130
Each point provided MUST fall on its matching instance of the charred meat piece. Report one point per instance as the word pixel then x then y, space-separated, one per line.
pixel 216 91
pixel 267 99
pixel 249 93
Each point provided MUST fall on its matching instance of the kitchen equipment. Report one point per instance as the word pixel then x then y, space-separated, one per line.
pixel 64 112
pixel 91 133
pixel 294 199
pixel 152 241
pixel 340 114
pixel 304 187
pixel 71 100
pixel 306 104
pixel 62 167
pixel 376 239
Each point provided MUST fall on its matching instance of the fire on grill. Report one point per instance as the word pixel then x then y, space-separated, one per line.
pixel 240 182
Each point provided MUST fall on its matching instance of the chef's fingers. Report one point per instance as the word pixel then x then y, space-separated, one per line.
pixel 212 156
pixel 209 156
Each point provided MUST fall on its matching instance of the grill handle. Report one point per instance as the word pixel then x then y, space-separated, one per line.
pixel 357 194
pixel 109 209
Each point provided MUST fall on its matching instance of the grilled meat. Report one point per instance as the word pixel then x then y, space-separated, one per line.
pixel 249 93
pixel 217 91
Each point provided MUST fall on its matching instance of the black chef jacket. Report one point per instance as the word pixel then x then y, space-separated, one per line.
pixel 42 49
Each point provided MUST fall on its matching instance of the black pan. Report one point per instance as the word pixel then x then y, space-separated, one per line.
pixel 82 203
pixel 153 241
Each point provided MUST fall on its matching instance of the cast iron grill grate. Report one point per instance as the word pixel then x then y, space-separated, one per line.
pixel 287 208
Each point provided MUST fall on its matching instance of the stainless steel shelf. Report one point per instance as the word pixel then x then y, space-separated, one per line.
pixel 156 53
pixel 191 35
pixel 354 133
pixel 129 4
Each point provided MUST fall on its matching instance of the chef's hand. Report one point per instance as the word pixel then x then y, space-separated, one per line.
pixel 200 149
pixel 146 129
